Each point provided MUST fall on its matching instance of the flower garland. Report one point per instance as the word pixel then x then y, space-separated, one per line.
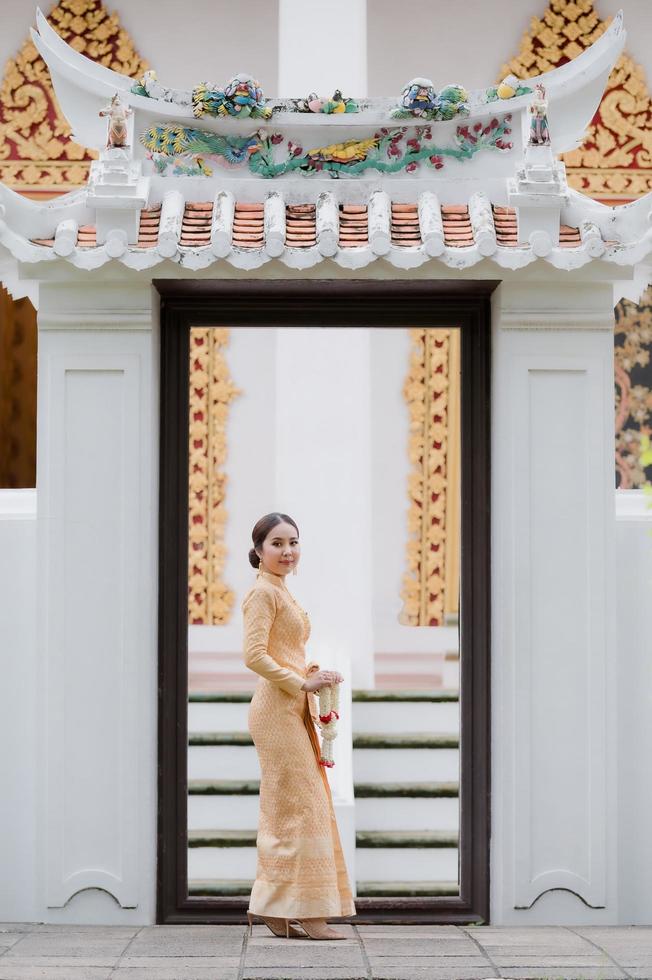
pixel 329 702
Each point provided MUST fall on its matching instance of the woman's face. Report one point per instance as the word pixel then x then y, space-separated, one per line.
pixel 281 549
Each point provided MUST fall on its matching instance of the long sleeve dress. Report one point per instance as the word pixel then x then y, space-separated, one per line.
pixel 300 869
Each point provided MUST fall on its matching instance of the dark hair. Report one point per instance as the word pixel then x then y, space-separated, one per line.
pixel 262 529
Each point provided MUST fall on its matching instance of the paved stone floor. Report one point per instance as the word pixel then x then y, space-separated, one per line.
pixel 371 952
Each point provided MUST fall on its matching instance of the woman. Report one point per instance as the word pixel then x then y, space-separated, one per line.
pixel 300 872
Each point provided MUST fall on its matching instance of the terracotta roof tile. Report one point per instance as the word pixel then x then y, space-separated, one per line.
pixel 301 232
pixel 300 225
pixel 506 225
pixel 150 219
pixel 458 232
pixel 569 237
pixel 354 225
pixel 405 228
pixel 196 224
pixel 248 225
pixel 86 236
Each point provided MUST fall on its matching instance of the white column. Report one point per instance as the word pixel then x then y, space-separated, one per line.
pixel 322 45
pixel 97 569
pixel 554 828
pixel 323 416
pixel 323 481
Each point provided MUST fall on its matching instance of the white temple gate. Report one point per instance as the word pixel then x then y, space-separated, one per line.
pixel 567 738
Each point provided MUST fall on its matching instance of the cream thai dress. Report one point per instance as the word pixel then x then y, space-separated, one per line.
pixel 300 865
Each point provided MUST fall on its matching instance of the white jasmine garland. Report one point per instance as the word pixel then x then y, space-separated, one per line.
pixel 329 702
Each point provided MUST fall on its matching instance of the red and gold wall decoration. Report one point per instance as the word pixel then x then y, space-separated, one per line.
pixel 614 165
pixel 431 390
pixel 37 156
pixel 212 390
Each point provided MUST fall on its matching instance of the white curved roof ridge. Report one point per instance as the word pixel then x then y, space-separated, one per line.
pixel 83 87
pixel 39 219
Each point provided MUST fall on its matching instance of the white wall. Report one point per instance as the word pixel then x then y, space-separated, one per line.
pixel 209 40
pixel 634 742
pixel 18 716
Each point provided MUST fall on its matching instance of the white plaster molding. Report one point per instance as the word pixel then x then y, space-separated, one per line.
pixel 328 224
pixel 555 320
pixel 430 223
pixel 553 617
pixel 482 222
pixel 116 242
pixel 18 505
pixel 222 224
pixel 169 232
pixel 274 223
pixel 378 215
pixel 592 239
pixel 94 508
pixel 65 237
pixel 633 505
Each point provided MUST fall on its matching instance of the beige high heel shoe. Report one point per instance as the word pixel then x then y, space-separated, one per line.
pixel 317 929
pixel 288 932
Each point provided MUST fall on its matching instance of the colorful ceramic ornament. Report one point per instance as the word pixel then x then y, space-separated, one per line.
pixel 315 103
pixel 420 99
pixel 509 88
pixel 242 97
pixel 150 87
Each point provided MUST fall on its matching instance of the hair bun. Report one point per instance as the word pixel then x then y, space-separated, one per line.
pixel 253 558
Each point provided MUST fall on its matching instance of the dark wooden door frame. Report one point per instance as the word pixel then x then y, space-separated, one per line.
pixel 321 303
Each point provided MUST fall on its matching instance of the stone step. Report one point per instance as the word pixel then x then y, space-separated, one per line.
pixel 394 813
pixel 251 787
pixel 405 740
pixel 238 858
pixel 358 694
pixel 406 889
pixel 406 838
pixel 363 838
pixel 391 712
pixel 396 717
pixel 406 863
pixel 224 803
pixel 232 760
pixel 361 740
pixel 391 716
pixel 378 764
pixel 222 887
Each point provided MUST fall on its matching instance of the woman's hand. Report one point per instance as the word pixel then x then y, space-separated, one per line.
pixel 321 678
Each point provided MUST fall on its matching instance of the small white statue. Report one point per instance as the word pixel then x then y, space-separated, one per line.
pixel 118 114
pixel 539 131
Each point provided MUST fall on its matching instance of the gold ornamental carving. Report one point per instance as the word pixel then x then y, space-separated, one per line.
pixel 211 392
pixel 37 156
pixel 615 161
pixel 431 581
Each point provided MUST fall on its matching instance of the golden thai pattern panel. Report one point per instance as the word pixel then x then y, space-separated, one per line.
pixel 212 390
pixel 37 155
pixel 633 389
pixel 615 161
pixel 428 592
